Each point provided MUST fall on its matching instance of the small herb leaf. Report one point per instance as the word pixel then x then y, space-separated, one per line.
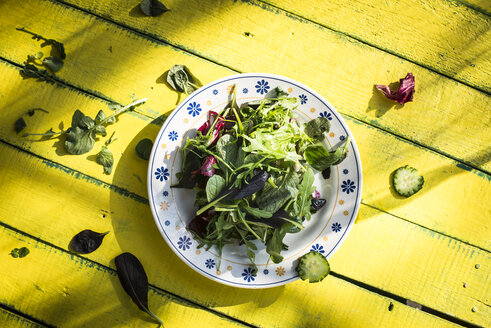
pixel 134 281
pixel 20 124
pixel 106 159
pixel 144 148
pixel 180 79
pixel 87 241
pixel 100 116
pixel 317 127
pixel 153 7
pixel 19 252
pixel 53 63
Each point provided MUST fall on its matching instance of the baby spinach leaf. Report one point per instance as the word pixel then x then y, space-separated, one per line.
pixel 181 80
pixel 272 199
pixel 214 185
pixel 19 252
pixel 153 8
pixel 106 159
pixel 87 241
pixel 320 159
pixel 134 281
pixel 317 127
pixel 53 63
pixel 144 148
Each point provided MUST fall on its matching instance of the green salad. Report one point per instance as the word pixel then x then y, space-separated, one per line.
pixel 253 170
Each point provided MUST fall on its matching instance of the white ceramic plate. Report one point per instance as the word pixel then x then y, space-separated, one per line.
pixel 173 208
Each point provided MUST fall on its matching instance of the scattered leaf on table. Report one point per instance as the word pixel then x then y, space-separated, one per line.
pixel 53 63
pixel 106 159
pixel 405 92
pixel 134 281
pixel 144 148
pixel 19 252
pixel 153 7
pixel 20 124
pixel 87 241
pixel 181 80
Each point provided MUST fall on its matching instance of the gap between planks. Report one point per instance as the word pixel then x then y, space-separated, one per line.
pixel 26 317
pixel 373 45
pixel 139 198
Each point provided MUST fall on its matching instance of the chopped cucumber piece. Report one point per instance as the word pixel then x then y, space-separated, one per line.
pixel 407 181
pixel 313 266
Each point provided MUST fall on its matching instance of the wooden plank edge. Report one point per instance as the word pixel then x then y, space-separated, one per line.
pixel 14 318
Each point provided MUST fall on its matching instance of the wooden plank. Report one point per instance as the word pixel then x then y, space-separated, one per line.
pixel 445 36
pixel 69 291
pixel 74 292
pixel 483 6
pixel 12 320
pixel 381 153
pixel 382 251
pixel 434 119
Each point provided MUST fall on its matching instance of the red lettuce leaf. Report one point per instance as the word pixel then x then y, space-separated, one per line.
pixel 405 92
pixel 207 168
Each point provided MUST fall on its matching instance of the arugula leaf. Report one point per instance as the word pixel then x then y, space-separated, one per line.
pixel 275 243
pixel 106 159
pixel 317 127
pixel 320 159
pixel 214 185
pixel 305 190
pixel 31 71
pixel 181 80
pixel 58 46
pixel 153 8
pixel 258 213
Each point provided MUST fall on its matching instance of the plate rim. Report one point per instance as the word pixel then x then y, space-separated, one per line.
pixel 155 148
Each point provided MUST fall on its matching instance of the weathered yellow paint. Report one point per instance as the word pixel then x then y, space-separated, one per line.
pixel 465 195
pixel 340 68
pixel 382 251
pixel 443 35
pixel 12 320
pixel 68 291
pixel 481 5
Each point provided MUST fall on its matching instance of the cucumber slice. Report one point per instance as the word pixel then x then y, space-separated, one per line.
pixel 313 266
pixel 407 181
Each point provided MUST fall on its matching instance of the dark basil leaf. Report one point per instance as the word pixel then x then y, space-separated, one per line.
pixel 87 241
pixel 253 185
pixel 106 159
pixel 316 204
pixel 20 124
pixel 144 148
pixel 326 173
pixel 153 7
pixel 134 281
pixel 53 63
pixel 317 127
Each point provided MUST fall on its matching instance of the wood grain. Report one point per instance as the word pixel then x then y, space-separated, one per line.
pixel 462 193
pixel 348 84
pixel 12 320
pixel 445 36
pixel 381 251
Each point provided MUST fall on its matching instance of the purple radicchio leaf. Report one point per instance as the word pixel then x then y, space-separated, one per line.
pixel 316 194
pixel 207 125
pixel 405 92
pixel 207 168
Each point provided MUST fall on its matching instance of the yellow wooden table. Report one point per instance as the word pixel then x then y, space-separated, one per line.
pixel 423 261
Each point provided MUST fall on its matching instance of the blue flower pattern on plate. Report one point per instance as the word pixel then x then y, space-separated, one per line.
pixel 210 263
pixel 215 92
pixel 173 135
pixel 326 115
pixel 342 138
pixel 245 90
pixel 184 243
pixel 336 227
pixel 348 186
pixel 161 174
pixel 262 87
pixel 165 193
pixel 167 223
pixel 303 99
pixel 249 274
pixel 317 248
pixel 345 171
pixel 194 108
pixel 266 271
